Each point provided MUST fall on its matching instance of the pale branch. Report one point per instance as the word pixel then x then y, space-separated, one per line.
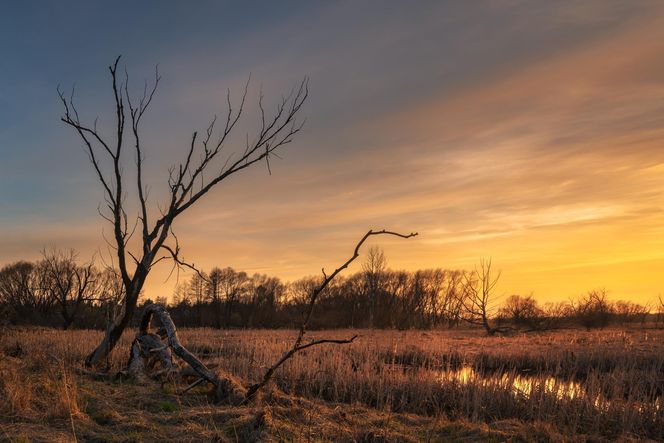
pixel 174 342
pixel 225 387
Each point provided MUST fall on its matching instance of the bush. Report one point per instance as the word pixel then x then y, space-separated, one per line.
pixel 593 310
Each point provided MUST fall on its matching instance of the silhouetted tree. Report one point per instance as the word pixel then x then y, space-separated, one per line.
pixel 479 296
pixel 522 311
pixel 266 294
pixel 69 284
pixel 629 312
pixel 206 164
pixel 452 307
pixel 197 292
pixel 374 267
pixel 21 289
pixel 593 310
pixel 214 294
pixel 233 287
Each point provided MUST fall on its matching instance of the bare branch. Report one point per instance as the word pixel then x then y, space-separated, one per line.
pixel 298 346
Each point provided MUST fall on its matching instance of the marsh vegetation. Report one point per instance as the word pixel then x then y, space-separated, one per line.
pixel 428 384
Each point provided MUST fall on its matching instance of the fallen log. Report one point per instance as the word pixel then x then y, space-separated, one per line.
pixel 149 348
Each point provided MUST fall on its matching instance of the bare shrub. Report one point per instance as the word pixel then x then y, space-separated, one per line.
pixel 593 310
pixel 478 299
pixel 523 312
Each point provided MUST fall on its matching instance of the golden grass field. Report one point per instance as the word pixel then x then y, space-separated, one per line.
pixel 386 386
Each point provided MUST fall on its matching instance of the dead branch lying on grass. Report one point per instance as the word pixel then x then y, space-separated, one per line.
pixel 149 349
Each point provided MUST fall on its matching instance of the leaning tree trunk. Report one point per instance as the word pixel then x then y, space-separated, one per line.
pixel 115 329
pixel 111 338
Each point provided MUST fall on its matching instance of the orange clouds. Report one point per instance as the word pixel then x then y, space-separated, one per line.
pixel 551 161
pixel 553 168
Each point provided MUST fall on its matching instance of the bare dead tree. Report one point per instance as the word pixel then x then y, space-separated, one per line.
pixel 593 309
pixel 205 165
pixel 69 283
pixel 20 289
pixel 478 298
pixel 374 268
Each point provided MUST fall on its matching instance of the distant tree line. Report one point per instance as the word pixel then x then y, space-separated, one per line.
pixel 60 291
pixel 591 310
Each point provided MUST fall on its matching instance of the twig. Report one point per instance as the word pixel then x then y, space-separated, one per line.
pixel 191 386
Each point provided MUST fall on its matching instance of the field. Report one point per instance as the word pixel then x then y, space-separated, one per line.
pixel 386 386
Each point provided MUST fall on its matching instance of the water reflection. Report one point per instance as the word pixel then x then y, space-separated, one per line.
pixel 527 386
pixel 519 384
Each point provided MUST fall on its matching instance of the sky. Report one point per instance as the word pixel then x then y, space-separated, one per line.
pixel 531 132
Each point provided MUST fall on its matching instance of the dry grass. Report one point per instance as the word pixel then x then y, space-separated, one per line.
pixel 388 386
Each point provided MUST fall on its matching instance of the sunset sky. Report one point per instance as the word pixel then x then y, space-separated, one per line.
pixel 531 132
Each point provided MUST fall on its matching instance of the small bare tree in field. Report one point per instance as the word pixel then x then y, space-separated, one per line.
pixel 523 312
pixel 70 284
pixel 206 163
pixel 374 269
pixel 593 310
pixel 479 296
pixel 21 290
